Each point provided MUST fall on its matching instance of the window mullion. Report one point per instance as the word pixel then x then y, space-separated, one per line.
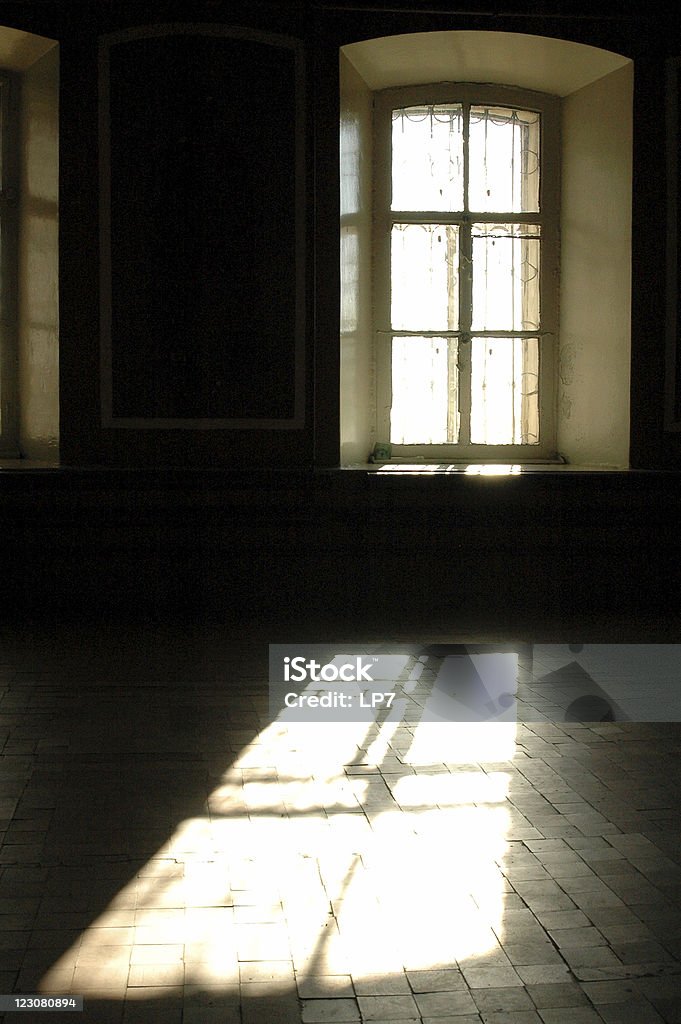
pixel 465 298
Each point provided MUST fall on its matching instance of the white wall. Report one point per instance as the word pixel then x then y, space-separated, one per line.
pixel 38 342
pixel 357 374
pixel 595 323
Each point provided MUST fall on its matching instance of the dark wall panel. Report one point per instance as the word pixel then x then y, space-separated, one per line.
pixel 200 300
pixel 591 557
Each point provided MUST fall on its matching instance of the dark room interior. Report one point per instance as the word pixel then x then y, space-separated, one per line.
pixel 201 456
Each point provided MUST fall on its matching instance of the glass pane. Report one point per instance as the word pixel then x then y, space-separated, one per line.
pixel 505 277
pixel 427 158
pixel 424 277
pixel 504 160
pixel 505 391
pixel 424 384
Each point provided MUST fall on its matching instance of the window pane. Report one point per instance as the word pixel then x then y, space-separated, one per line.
pixel 424 386
pixel 505 277
pixel 505 391
pixel 424 277
pixel 427 158
pixel 504 160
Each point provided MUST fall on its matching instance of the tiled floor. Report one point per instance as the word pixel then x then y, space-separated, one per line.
pixel 173 855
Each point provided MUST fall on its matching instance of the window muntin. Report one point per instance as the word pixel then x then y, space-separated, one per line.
pixel 467 259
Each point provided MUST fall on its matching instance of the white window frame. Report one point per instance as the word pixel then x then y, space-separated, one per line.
pixel 9 196
pixel 548 218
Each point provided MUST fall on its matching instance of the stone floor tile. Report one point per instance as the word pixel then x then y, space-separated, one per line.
pixel 172 953
pixel 641 952
pixel 611 991
pixel 669 1009
pixel 558 995
pixel 99 979
pixel 547 974
pixel 319 986
pixel 532 953
pixel 563 919
pixel 383 1008
pixel 467 1018
pixel 211 995
pixel 436 981
pixel 601 898
pixel 635 1012
pixel 497 1000
pixel 382 985
pixel 570 1015
pixel 491 977
pixel 590 956
pixel 155 975
pixel 512 1017
pixel 443 1004
pixel 211 1014
pixel 582 883
pixel 101 1010
pixel 321 1011
pixel 270 1010
pixel 566 938
pixel 266 970
pixel 262 942
pixel 537 902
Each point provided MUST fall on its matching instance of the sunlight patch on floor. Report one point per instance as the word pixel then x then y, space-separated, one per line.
pixel 337 849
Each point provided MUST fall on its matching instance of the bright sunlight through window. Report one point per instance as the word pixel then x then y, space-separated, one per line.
pixel 467 342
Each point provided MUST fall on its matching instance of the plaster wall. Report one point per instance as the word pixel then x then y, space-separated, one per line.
pixel 38 328
pixel 595 334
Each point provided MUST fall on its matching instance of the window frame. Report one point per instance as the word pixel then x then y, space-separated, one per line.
pixel 9 202
pixel 548 217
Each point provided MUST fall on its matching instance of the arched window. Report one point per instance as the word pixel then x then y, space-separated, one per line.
pixel 493 325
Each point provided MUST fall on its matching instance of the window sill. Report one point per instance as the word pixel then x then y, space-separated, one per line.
pixel 24 464
pixel 476 469
pixel 368 468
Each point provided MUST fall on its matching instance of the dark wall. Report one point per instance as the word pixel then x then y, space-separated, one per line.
pixel 587 557
pixel 199 286
pixel 199 283
pixel 201 192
